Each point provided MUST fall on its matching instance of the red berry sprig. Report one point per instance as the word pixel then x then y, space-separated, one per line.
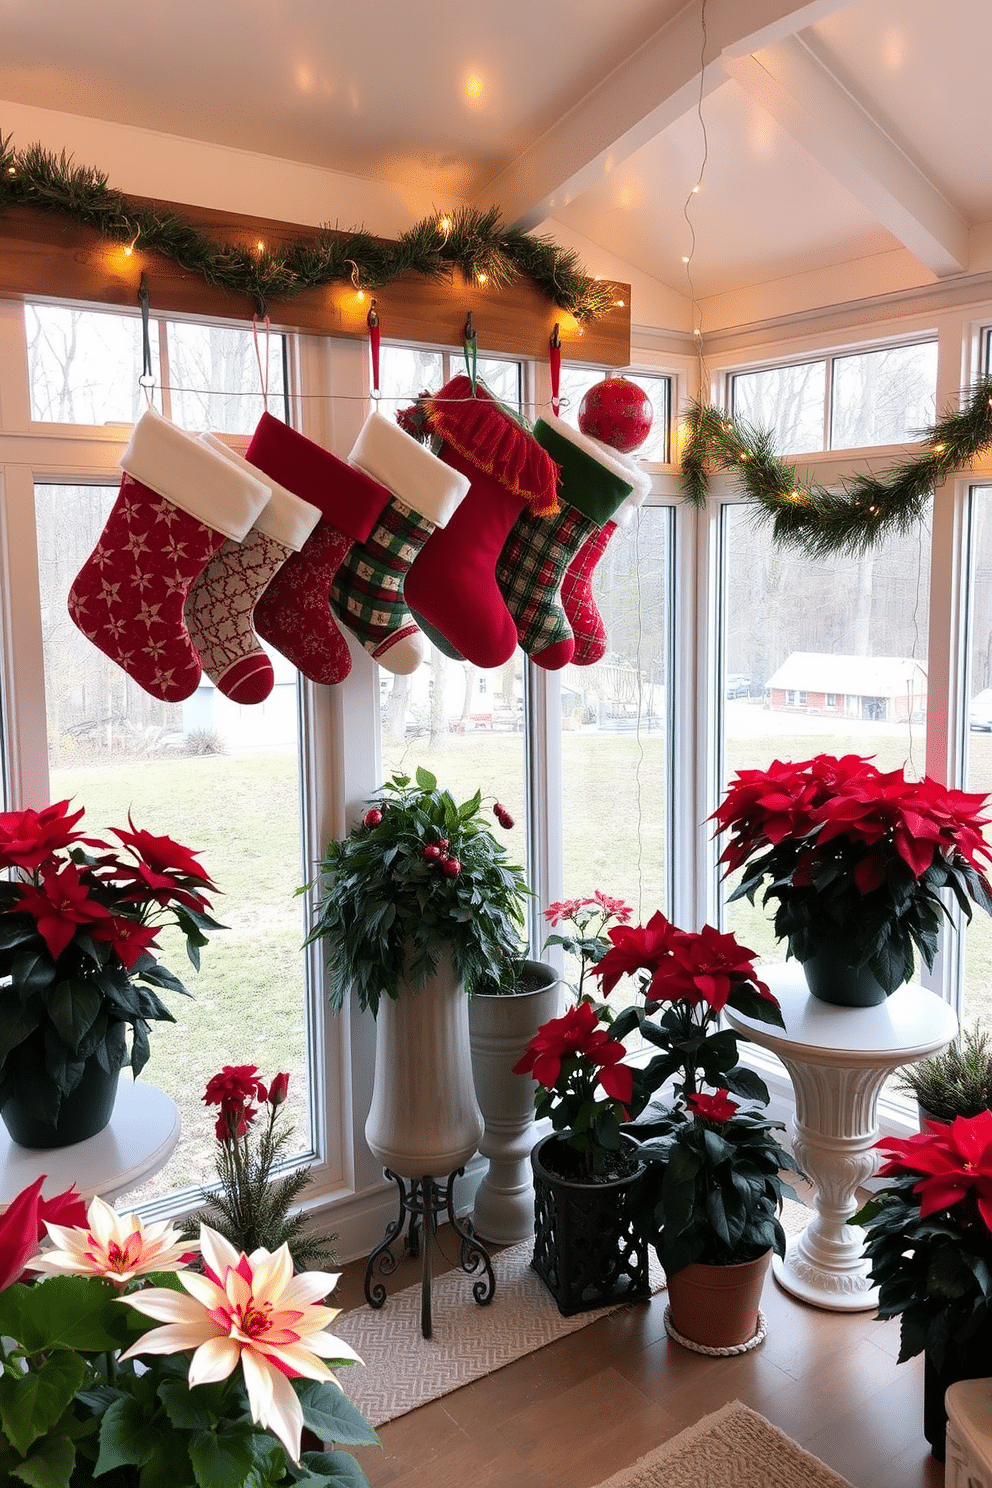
pixel 373 817
pixel 502 816
pixel 432 852
pixel 451 867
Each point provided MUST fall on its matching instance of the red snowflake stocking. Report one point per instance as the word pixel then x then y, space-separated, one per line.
pixel 367 594
pixel 220 604
pixel 178 501
pixel 452 582
pixel 577 598
pixel 294 612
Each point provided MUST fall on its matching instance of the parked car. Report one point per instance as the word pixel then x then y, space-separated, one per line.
pixel 980 712
pixel 738 685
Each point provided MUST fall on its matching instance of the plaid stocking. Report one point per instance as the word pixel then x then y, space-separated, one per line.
pixel 576 587
pixel 538 551
pixel 178 501
pixel 367 593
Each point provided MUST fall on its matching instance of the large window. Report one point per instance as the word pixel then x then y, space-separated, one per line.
pixel 848 401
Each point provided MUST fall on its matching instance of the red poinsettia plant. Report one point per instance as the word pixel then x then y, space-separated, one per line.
pixel 713 1189
pixel 855 857
pixel 930 1237
pixel 79 921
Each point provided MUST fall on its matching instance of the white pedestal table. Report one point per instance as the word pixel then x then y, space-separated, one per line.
pixel 838 1059
pixel 139 1140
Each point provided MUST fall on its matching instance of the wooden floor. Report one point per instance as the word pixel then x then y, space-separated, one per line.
pixel 575 1412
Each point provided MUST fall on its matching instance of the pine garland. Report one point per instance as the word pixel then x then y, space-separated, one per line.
pixel 812 518
pixel 474 241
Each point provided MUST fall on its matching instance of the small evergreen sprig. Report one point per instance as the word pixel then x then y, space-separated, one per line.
pixel 955 1082
pixel 251 1208
pixel 416 875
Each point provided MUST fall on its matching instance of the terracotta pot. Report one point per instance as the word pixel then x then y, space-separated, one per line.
pixel 424 1120
pixel 717 1306
pixel 830 979
pixel 500 1028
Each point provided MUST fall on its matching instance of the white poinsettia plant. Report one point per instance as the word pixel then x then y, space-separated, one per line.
pixel 224 1391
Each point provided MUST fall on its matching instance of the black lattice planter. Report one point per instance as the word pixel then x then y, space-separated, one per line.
pixel 586 1250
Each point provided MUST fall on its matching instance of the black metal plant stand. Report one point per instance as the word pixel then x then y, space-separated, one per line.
pixel 421 1203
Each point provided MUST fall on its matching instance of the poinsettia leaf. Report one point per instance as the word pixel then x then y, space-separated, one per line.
pixel 72 1006
pixel 31 1403
pixel 17 1019
pixel 746 1082
pixel 235 1456
pixel 330 1470
pixel 328 1411
pixel 50 1463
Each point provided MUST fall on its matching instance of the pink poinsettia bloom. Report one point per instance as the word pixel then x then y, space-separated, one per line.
pixel 117 1247
pixel 613 908
pixel 634 948
pixel 253 1312
pixel 954 1161
pixel 29 838
pixel 62 905
pixel 716 1107
pixel 562 910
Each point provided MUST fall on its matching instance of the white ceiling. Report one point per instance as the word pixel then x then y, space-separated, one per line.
pixel 820 134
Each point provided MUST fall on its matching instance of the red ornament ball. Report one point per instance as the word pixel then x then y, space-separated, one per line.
pixel 451 867
pixel 372 818
pixel 432 851
pixel 617 413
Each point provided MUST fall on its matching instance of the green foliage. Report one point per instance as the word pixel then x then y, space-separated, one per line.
pixel 878 929
pixel 935 1272
pixel 713 1192
pixel 469 239
pixel 56 1013
pixel 251 1207
pixel 814 518
pixel 387 911
pixel 955 1082
pixel 78 1415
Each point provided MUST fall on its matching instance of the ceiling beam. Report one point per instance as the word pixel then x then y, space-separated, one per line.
pixel 653 87
pixel 793 82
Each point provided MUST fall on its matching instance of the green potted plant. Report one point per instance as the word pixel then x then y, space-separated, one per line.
pixel 713 1189
pixel 417 906
pixel 79 921
pixel 929 1241
pixel 228 1391
pixel 955 1082
pixel 855 859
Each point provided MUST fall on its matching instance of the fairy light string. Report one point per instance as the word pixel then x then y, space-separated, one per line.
pixel 477 242
pixel 820 520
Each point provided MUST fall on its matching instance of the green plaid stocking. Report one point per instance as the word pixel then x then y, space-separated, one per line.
pixel 367 593
pixel 538 551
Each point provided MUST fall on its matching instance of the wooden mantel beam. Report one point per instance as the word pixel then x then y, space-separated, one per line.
pixel 44 255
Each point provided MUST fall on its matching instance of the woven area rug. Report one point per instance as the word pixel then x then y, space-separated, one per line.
pixel 404 1370
pixel 733 1448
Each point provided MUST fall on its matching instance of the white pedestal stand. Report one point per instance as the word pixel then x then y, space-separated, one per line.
pixel 838 1059
pixel 140 1139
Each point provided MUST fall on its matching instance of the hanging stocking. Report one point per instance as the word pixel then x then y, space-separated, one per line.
pixel 452 582
pixel 220 604
pixel 594 482
pixel 178 501
pixel 294 613
pixel 367 594
pixel 576 588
